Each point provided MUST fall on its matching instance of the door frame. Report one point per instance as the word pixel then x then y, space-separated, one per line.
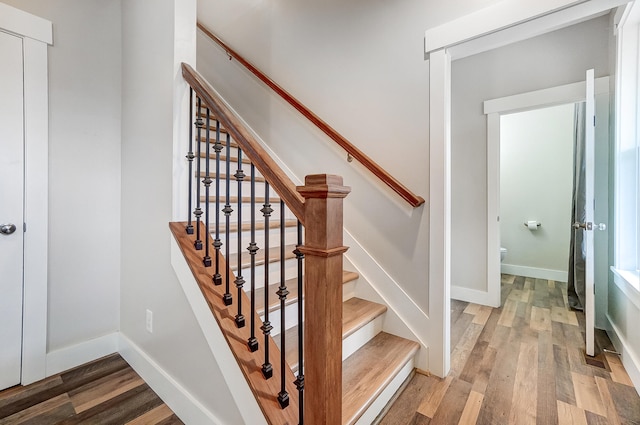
pixel 37 34
pixel 493 109
pixel 500 24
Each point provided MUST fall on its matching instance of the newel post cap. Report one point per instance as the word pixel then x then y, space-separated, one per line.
pixel 323 186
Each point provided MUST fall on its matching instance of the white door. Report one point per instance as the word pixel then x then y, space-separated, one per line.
pixel 588 226
pixel 11 208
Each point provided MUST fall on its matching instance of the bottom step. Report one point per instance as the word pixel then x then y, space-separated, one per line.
pixel 368 372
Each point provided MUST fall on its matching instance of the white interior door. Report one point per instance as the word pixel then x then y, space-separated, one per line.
pixel 588 226
pixel 11 208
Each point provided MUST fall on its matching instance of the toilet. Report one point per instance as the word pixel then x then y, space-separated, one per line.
pixel 503 253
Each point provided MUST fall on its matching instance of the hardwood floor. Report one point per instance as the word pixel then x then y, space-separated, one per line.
pixel 106 391
pixel 523 363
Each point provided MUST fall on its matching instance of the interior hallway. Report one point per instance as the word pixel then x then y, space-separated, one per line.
pixel 523 363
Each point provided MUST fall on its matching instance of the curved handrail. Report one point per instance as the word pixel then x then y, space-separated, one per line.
pixel 276 177
pixel 356 153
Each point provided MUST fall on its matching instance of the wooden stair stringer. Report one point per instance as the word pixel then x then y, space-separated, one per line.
pixel 264 390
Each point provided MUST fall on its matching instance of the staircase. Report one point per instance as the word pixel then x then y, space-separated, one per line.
pixel 375 363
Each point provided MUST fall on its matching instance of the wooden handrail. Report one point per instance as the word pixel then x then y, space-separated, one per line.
pixel 269 169
pixel 356 153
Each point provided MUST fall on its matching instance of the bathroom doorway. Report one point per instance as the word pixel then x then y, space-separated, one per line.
pixel 539 103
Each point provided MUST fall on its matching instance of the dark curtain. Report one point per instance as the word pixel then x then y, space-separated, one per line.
pixel 576 284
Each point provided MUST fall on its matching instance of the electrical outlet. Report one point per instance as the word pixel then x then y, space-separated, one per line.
pixel 149 321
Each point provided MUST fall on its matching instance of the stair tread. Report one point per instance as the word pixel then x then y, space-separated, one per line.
pixel 245 200
pixel 246 226
pixel 223 157
pixel 203 174
pixel 274 255
pixel 356 313
pixel 292 287
pixel 367 372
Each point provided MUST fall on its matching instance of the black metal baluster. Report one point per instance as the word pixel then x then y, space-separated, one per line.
pixel 300 377
pixel 283 395
pixel 217 277
pixel 227 298
pixel 239 279
pixel 198 211
pixel 190 156
pixel 267 369
pixel 253 249
pixel 206 260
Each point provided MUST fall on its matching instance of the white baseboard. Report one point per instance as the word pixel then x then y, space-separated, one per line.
pixel 537 273
pixel 629 358
pixel 75 355
pixel 472 296
pixel 183 404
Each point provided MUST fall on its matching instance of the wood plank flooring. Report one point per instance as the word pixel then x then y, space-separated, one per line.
pixel 106 392
pixel 523 363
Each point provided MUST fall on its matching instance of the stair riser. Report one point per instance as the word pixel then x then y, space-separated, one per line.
pixel 360 337
pixel 291 238
pixel 246 211
pixel 291 319
pixel 291 271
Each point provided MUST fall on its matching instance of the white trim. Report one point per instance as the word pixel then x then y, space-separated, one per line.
pixel 628 282
pixel 177 397
pixel 25 24
pixel 629 358
pixel 233 376
pixel 475 296
pixel 440 210
pixel 507 22
pixel 568 93
pixel 492 295
pixel 537 273
pixel 75 355
pixel 36 118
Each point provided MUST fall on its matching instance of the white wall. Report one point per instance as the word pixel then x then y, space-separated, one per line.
pixel 84 168
pixel 553 59
pixel 153 43
pixel 536 179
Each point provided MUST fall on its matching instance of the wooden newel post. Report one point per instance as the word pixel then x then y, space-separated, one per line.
pixel 323 251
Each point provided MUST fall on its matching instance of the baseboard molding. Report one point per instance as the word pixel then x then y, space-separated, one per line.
pixel 471 296
pixel 183 404
pixel 629 358
pixel 75 355
pixel 537 273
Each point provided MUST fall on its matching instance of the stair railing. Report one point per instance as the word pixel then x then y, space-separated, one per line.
pixel 314 395
pixel 395 185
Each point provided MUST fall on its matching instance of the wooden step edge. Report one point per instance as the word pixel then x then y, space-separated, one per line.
pixel 212 140
pixel 264 390
pixel 368 371
pixel 223 158
pixel 274 256
pixel 246 226
pixel 357 313
pixel 292 287
pixel 222 176
pixel 245 200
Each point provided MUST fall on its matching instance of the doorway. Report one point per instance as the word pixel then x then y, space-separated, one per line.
pixel 570 93
pixel 11 208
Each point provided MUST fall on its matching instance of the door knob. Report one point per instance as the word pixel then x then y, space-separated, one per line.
pixel 589 226
pixel 7 229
